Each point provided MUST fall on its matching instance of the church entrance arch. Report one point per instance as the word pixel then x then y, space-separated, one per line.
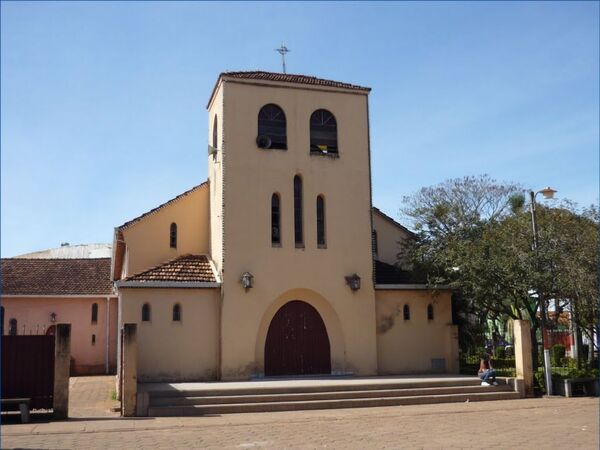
pixel 297 342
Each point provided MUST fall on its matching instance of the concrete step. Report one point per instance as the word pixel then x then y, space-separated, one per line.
pixel 263 388
pixel 314 396
pixel 198 410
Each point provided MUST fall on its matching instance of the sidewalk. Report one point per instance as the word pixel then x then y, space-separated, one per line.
pixel 530 423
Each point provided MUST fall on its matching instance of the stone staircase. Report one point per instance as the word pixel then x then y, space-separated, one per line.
pixel 195 399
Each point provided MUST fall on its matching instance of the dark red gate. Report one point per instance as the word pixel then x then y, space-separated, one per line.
pixel 297 342
pixel 28 369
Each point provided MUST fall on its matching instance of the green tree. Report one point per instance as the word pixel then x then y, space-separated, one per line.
pixel 475 234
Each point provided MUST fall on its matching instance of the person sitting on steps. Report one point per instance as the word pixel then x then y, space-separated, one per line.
pixel 487 374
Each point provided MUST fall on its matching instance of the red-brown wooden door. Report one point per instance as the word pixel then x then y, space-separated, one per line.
pixel 297 342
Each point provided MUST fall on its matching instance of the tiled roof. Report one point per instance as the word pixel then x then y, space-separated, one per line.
pixel 291 78
pixel 287 78
pixel 388 274
pixel 186 268
pixel 158 208
pixel 55 276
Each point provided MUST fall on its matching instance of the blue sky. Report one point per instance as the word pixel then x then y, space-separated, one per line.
pixel 103 104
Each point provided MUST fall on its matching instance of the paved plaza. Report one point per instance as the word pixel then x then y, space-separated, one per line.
pixel 542 423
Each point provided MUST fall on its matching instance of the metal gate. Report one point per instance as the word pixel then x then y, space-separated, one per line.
pixel 297 342
pixel 28 369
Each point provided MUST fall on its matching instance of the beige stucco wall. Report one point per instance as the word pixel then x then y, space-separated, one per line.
pixel 148 240
pixel 388 238
pixel 215 177
pixel 251 176
pixel 33 313
pixel 409 346
pixel 174 351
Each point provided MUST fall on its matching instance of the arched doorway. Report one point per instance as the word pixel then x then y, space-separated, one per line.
pixel 297 342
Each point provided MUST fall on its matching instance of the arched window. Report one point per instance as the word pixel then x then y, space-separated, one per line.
pixel 430 312
pixel 215 133
pixel 146 312
pixel 406 312
pixel 275 220
pixel 173 235
pixel 271 127
pixel 176 312
pixel 95 313
pixel 298 232
pixel 12 327
pixel 320 221
pixel 323 133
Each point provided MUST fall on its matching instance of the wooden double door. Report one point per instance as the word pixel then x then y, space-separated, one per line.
pixel 297 342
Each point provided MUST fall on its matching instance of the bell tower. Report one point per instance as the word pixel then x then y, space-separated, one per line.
pixel 290 205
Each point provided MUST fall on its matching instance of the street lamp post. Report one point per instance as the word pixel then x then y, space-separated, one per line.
pixel 548 193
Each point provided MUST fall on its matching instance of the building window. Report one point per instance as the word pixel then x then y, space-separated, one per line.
pixel 320 221
pixel 275 220
pixel 298 232
pixel 95 313
pixel 93 339
pixel 146 312
pixel 1 320
pixel 323 133
pixel 406 312
pixel 430 312
pixel 215 133
pixel 173 235
pixel 12 327
pixel 271 128
pixel 176 312
pixel 375 243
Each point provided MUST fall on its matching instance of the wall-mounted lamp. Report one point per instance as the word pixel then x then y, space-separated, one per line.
pixel 53 317
pixel 247 280
pixel 353 281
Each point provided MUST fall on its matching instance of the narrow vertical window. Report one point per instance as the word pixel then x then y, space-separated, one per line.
pixel 12 327
pixel 298 232
pixel 173 235
pixel 1 320
pixel 275 220
pixel 177 312
pixel 215 133
pixel 406 312
pixel 93 339
pixel 146 312
pixel 430 312
pixel 375 243
pixel 95 313
pixel 320 221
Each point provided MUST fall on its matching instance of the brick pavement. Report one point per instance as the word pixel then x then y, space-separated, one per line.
pixel 543 423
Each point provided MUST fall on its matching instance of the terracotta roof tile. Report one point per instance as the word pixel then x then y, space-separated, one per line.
pixel 87 276
pixel 286 78
pixel 158 208
pixel 292 78
pixel 186 268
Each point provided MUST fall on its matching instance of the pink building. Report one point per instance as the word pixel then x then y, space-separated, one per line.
pixel 37 293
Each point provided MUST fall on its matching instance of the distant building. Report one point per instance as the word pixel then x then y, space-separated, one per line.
pixel 64 285
pixel 278 264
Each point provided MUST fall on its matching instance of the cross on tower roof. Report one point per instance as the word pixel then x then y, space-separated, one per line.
pixel 282 51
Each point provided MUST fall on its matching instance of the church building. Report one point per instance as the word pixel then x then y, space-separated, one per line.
pixel 278 264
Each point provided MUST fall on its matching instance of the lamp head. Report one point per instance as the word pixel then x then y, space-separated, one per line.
pixel 548 193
